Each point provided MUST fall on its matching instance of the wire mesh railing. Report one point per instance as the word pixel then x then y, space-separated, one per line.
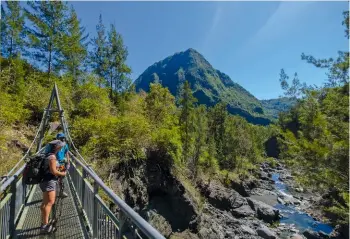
pixel 13 195
pixel 123 223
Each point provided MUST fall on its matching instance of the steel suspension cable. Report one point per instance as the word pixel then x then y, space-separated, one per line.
pixel 27 152
pixel 73 145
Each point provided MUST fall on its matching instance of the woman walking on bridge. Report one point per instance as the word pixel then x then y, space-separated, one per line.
pixel 49 184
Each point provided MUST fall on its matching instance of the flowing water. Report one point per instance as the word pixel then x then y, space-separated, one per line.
pixel 292 215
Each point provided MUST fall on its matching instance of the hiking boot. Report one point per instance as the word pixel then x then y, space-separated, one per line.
pixel 46 228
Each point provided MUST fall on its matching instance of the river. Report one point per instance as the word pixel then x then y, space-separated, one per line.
pixel 291 215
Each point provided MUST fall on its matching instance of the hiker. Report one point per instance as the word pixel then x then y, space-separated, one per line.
pixel 63 155
pixel 49 184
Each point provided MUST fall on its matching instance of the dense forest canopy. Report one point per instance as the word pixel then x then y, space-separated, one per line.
pixel 44 42
pixel 314 135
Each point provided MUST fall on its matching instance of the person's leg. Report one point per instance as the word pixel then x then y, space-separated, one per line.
pixel 51 196
pixel 42 207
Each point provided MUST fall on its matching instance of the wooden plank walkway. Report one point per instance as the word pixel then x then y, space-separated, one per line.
pixel 69 225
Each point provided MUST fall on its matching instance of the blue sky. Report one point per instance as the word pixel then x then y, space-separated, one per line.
pixel 249 41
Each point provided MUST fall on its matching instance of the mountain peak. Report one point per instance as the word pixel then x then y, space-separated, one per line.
pixel 196 58
pixel 191 50
pixel 209 85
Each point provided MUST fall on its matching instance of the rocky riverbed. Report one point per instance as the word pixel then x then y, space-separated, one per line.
pixel 300 218
pixel 266 208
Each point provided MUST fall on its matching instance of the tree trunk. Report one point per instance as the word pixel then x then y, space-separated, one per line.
pixel 111 82
pixel 11 46
pixel 50 59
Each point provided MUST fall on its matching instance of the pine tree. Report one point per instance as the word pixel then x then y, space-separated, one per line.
pixel 346 22
pixel 74 47
pixel 12 43
pixel 338 69
pixel 47 31
pixel 117 68
pixel 3 33
pixel 186 119
pixel 217 118
pixel 200 136
pixel 98 55
pixel 12 31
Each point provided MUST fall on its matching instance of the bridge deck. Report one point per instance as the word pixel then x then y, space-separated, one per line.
pixel 69 225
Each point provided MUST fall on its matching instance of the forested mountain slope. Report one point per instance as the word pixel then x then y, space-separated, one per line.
pixel 209 85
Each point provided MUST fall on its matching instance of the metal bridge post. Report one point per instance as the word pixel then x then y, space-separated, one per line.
pixel 122 224
pixel 13 206
pixel 83 188
pixel 95 219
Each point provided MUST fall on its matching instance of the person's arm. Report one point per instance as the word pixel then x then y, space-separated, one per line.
pixel 53 169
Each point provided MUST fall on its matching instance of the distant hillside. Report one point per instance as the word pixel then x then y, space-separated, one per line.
pixel 209 85
pixel 274 106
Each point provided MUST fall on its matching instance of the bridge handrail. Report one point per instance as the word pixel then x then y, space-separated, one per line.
pixel 13 193
pixel 141 223
pixel 11 179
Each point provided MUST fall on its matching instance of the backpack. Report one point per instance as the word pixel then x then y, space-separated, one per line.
pixel 35 169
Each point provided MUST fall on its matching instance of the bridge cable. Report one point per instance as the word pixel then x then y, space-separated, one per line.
pixel 65 126
pixel 28 150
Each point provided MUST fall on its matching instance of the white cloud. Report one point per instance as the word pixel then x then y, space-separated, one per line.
pixel 280 22
pixel 214 23
pixel 216 18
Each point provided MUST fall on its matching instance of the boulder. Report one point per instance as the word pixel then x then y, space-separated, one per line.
pixel 263 211
pixel 311 235
pixel 243 211
pixel 280 200
pixel 265 232
pixel 242 188
pixel 248 230
pixel 323 235
pixel 296 236
pixel 16 143
pixel 214 223
pixel 264 176
pixel 221 197
pixel 160 223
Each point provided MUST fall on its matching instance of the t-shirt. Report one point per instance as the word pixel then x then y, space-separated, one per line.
pixel 62 153
pixel 46 168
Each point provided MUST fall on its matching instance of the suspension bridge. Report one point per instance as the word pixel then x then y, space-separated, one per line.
pixel 84 213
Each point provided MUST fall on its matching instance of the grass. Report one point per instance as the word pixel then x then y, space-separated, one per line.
pixel 9 153
pixel 190 188
pixel 275 224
